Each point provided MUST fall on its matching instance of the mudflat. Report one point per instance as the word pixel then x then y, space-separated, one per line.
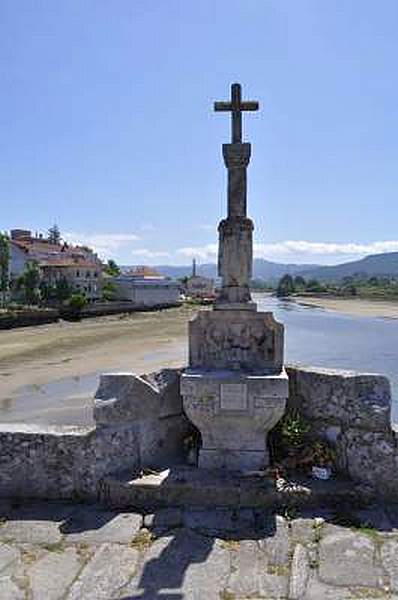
pixel 357 307
pixel 139 342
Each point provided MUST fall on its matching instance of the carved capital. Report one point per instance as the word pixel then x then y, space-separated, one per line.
pixel 236 156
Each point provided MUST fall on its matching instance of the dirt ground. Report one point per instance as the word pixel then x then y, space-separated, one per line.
pixel 139 342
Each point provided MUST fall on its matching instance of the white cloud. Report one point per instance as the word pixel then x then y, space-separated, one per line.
pixel 207 252
pixel 105 244
pixel 145 253
pixel 301 248
pixel 298 250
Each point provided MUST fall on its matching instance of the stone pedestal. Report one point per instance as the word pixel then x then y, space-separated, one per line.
pixel 235 390
pixel 236 340
pixel 234 412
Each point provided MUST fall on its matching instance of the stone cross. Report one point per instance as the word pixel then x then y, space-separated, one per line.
pixel 235 249
pixel 236 106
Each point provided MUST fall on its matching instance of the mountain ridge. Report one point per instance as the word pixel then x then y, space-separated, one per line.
pixel 385 264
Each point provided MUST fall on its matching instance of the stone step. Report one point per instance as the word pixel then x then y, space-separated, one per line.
pixel 188 486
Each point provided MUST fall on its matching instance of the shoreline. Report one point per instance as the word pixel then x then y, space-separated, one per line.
pixel 357 307
pixel 140 342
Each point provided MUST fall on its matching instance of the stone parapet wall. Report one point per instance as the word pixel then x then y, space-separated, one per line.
pixel 140 423
pixel 353 412
pixel 62 462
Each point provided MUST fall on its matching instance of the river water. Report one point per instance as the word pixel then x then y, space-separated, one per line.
pixel 313 336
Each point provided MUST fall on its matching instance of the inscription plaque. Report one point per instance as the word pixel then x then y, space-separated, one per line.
pixel 233 396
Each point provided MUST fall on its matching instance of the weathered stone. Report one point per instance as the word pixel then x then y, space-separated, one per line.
pixel 248 565
pixel 124 397
pixel 31 531
pixel 235 241
pixel 320 591
pixel 341 398
pixel 348 559
pixel 98 527
pixel 8 555
pixel 389 557
pixel 237 340
pixel 277 545
pixel 235 258
pixel 167 382
pixel 300 572
pixel 305 530
pixel 9 590
pixel 105 574
pixel 369 458
pixel 151 408
pixel 233 412
pixel 70 463
pixel 185 564
pixel 51 576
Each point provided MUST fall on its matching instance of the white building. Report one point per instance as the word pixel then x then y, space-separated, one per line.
pixel 146 289
pixel 198 286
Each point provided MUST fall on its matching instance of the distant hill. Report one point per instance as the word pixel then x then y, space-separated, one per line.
pixel 374 265
pixel 262 269
pixel 370 266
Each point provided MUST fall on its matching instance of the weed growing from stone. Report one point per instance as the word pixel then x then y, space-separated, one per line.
pixel 226 595
pixel 230 545
pixel 142 540
pixel 56 547
pixel 279 570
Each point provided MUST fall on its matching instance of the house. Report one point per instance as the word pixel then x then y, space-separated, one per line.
pixel 79 265
pixel 83 275
pixel 146 288
pixel 197 286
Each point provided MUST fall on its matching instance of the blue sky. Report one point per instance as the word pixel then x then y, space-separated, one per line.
pixel 107 126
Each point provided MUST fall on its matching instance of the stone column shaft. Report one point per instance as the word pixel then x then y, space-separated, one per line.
pixel 236 158
pixel 235 250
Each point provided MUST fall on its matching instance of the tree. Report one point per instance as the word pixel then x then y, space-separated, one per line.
pixel 108 291
pixel 299 282
pixel 314 286
pixel 54 235
pixel 112 268
pixel 77 301
pixel 285 286
pixel 30 282
pixel 4 267
pixel 56 292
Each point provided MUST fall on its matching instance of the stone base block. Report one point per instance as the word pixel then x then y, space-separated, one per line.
pixel 233 412
pixel 233 460
pixel 239 340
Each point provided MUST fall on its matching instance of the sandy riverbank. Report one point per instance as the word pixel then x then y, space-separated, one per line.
pixel 353 306
pixel 140 342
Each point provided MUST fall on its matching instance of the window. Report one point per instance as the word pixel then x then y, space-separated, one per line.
pixel 77 273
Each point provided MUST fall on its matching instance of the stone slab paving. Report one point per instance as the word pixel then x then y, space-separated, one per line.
pixel 69 552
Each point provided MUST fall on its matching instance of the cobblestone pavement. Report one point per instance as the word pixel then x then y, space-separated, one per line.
pixel 56 551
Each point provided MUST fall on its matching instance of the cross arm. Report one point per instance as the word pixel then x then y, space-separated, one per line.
pixel 249 106
pixel 228 106
pixel 222 106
